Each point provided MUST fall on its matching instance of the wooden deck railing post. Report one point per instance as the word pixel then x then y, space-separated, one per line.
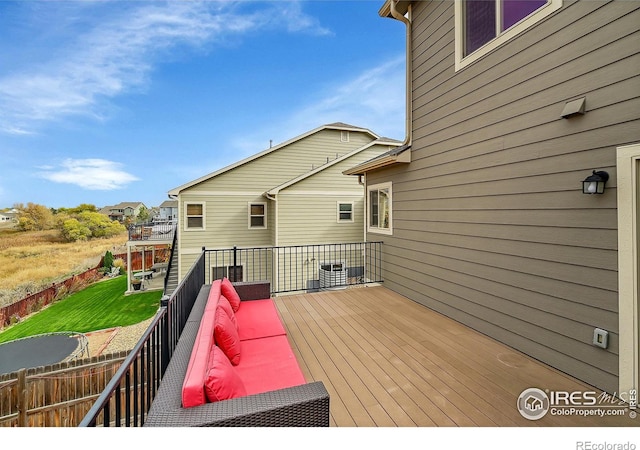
pixel 22 398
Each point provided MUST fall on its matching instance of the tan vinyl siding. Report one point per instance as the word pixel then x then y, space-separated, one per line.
pixel 227 196
pixel 286 163
pixel 308 209
pixel 489 223
pixel 313 220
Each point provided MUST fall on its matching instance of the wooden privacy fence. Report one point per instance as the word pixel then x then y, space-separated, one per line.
pixel 57 395
pixel 37 301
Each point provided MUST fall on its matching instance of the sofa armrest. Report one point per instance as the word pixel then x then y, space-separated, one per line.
pixel 253 290
pixel 299 406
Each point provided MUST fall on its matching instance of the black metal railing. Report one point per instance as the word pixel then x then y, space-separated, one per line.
pixel 307 268
pixel 163 231
pixel 127 398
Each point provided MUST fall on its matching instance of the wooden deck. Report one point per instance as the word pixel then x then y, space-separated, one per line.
pixel 390 362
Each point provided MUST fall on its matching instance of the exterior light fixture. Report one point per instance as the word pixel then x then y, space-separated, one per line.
pixel 594 183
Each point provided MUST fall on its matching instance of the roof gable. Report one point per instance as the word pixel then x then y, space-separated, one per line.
pixel 329 164
pixel 333 126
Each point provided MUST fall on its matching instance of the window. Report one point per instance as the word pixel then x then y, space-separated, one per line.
pixel 194 216
pixel 379 208
pixel 345 211
pixel 257 215
pixel 233 273
pixel 483 25
pixel 344 136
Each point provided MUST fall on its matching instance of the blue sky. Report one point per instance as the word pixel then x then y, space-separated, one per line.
pixel 110 101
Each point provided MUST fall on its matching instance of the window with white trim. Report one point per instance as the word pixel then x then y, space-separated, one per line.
pixel 194 216
pixel 483 25
pixel 344 136
pixel 257 215
pixel 345 211
pixel 379 208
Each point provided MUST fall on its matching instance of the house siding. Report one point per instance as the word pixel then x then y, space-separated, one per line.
pixel 489 223
pixel 308 209
pixel 227 195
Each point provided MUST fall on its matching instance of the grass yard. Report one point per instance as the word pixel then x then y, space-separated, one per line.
pixel 32 260
pixel 101 305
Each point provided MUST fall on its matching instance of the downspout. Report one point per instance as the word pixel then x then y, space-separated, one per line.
pixel 276 268
pixel 274 198
pixel 409 67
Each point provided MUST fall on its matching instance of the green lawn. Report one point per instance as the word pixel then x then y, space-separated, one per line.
pixel 101 305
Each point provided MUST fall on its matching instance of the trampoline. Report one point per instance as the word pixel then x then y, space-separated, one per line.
pixel 42 350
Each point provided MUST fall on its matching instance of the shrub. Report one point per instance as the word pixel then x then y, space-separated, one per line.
pixel 119 263
pixel 107 261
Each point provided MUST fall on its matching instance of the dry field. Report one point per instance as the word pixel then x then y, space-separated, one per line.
pixel 30 261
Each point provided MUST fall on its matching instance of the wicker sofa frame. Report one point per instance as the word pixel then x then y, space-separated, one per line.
pixel 299 406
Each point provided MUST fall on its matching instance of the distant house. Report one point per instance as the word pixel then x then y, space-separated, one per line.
pixel 482 210
pixel 8 216
pixel 292 193
pixel 123 211
pixel 168 211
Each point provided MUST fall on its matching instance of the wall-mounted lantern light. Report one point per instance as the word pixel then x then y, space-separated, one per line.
pixel 594 183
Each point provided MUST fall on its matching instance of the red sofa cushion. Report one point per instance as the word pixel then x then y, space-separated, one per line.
pixel 226 336
pixel 214 295
pixel 230 293
pixel 193 385
pixel 258 319
pixel 268 364
pixel 222 382
pixel 226 306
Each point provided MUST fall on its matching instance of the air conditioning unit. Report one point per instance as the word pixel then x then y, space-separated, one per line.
pixel 333 275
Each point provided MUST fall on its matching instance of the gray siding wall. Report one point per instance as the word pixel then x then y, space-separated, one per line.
pixel 489 223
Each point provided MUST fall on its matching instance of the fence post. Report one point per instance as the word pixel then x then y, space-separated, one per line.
pixel 235 256
pixel 22 398
pixel 164 303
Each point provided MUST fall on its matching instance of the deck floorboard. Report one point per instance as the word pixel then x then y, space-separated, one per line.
pixel 390 362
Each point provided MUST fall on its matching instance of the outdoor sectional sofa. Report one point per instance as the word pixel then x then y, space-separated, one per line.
pixel 263 386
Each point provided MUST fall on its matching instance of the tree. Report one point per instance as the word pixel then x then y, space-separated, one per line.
pixel 34 217
pixel 72 230
pixel 87 225
pixel 143 215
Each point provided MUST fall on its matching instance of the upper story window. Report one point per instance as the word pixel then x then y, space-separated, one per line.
pixel 483 25
pixel 379 208
pixel 194 216
pixel 257 215
pixel 344 136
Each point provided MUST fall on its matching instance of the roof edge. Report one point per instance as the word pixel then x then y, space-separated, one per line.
pixel 331 126
pixel 399 155
pixel 381 141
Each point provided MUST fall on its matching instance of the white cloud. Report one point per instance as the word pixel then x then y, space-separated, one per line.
pixel 118 51
pixel 91 174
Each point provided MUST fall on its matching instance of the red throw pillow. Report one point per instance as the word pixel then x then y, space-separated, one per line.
pixel 222 382
pixel 226 336
pixel 230 293
pixel 224 304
